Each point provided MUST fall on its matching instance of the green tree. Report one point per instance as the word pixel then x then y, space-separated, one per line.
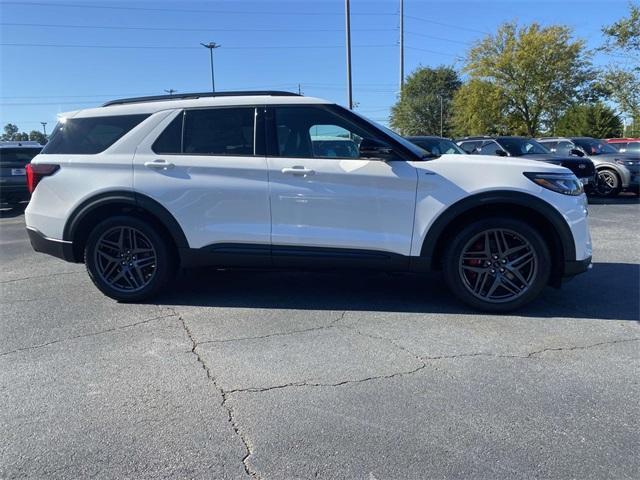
pixel 479 108
pixel 37 136
pixel 621 81
pixel 594 120
pixel 10 131
pixel 417 112
pixel 540 71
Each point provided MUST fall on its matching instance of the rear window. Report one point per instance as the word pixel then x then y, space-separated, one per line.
pixel 90 135
pixel 17 155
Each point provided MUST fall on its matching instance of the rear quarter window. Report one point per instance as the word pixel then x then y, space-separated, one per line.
pixel 90 135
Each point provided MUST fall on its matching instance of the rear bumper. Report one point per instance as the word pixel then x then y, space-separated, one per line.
pixel 10 192
pixel 57 248
pixel 575 267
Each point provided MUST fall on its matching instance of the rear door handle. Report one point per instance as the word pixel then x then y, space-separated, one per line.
pixel 159 165
pixel 298 171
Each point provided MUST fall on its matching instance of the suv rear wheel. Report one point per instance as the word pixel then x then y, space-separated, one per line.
pixel 127 259
pixel 497 264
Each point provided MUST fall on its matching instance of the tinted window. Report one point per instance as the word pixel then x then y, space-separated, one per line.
pixel 489 148
pixel 522 146
pixel 437 146
pixel 564 148
pixel 592 146
pixel 633 147
pixel 219 131
pixel 17 155
pixel 170 140
pixel 90 135
pixel 316 132
pixel 620 146
pixel 469 147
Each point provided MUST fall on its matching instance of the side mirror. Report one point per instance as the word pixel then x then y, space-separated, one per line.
pixel 501 153
pixel 372 148
pixel 576 152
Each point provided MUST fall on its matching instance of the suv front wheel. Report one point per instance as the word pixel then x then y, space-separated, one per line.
pixel 127 259
pixel 497 264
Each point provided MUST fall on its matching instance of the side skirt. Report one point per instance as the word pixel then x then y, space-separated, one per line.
pixel 284 256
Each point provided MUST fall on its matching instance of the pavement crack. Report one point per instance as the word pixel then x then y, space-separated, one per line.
pixel 317 384
pixel 39 276
pixel 531 354
pixel 330 325
pixel 93 334
pixel 224 395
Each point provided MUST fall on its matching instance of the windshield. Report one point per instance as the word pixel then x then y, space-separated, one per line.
pixel 522 146
pixel 437 146
pixel 591 146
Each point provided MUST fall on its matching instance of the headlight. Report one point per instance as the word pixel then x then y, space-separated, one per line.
pixel 564 183
pixel 629 163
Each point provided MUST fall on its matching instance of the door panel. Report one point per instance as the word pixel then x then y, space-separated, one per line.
pixel 324 195
pixel 216 198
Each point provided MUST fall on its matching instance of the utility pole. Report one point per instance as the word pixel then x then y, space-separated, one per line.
pixel 441 123
pixel 44 128
pixel 347 15
pixel 401 46
pixel 211 46
pixel 170 91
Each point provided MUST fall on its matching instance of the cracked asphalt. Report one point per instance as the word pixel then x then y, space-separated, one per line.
pixel 319 375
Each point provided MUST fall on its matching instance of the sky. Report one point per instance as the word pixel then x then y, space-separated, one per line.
pixel 62 55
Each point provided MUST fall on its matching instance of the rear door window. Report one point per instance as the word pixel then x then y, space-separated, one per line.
pixel 469 147
pixel 219 131
pixel 90 135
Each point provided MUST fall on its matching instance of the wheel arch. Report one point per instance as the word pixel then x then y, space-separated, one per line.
pixel 548 221
pixel 623 173
pixel 93 210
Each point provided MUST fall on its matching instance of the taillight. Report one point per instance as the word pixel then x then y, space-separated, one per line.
pixel 37 171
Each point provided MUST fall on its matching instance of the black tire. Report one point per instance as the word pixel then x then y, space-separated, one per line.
pixel 132 282
pixel 515 234
pixel 608 183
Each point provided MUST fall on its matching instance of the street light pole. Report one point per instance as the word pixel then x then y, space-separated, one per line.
pixel 170 91
pixel 347 15
pixel 401 45
pixel 44 128
pixel 211 46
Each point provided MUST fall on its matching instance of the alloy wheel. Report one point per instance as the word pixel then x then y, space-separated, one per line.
pixel 125 259
pixel 607 182
pixel 498 265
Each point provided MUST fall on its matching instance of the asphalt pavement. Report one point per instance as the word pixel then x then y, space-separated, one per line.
pixel 241 374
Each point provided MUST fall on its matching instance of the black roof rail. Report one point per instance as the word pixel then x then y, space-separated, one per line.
pixel 186 96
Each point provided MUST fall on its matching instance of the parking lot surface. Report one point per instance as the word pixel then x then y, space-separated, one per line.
pixel 319 375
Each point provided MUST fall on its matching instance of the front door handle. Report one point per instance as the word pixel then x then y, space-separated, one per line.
pixel 298 171
pixel 159 165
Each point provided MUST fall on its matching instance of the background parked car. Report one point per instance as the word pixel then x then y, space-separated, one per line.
pixel 524 147
pixel 14 156
pixel 436 146
pixel 616 171
pixel 625 145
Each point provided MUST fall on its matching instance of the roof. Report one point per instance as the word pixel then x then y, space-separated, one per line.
pixel 149 105
pixel 426 137
pixel 25 144
pixel 621 140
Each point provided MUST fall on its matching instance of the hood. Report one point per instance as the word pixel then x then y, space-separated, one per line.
pixel 611 157
pixel 496 161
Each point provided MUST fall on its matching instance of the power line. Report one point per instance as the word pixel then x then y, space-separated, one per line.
pixel 439 38
pixel 435 53
pixel 177 29
pixel 172 47
pixel 190 10
pixel 450 25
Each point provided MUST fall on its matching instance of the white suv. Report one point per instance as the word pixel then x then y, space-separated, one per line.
pixel 140 187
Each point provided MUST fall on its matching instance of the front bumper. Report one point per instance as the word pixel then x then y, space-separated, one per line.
pixel 57 248
pixel 576 267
